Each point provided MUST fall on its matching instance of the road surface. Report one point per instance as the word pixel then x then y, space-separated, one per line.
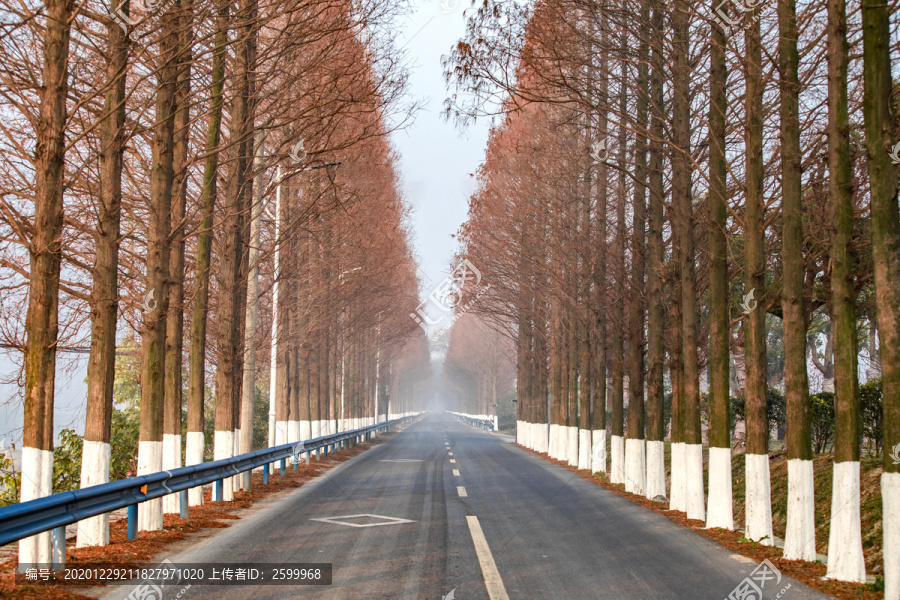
pixel 479 517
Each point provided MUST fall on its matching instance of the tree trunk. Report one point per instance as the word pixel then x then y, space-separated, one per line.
pixel 96 453
pixel 153 331
pixel 656 468
pixel 800 536
pixel 719 503
pixel 879 119
pixel 45 253
pixel 228 310
pixel 617 345
pixel 175 316
pixel 194 447
pixel 683 229
pixel 600 329
pixel 249 380
pixel 845 557
pixel 758 495
pixel 635 449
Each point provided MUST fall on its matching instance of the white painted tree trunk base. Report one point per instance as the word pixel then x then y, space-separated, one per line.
pixel 236 480
pixel 95 461
pixel 551 447
pixel 150 515
pixel 281 433
pixel 572 445
pixel 677 500
pixel 890 503
pixel 656 469
pixel 193 455
pixel 845 556
pixel 598 452
pixel 693 484
pixel 34 550
pixel 521 433
pixel 293 428
pixel 584 449
pixel 720 503
pixel 635 466
pixel 617 457
pixel 758 494
pixel 171 460
pixel 45 550
pixel 800 533
pixel 223 447
pixel 305 431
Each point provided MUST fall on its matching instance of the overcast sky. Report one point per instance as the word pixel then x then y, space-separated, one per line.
pixel 436 160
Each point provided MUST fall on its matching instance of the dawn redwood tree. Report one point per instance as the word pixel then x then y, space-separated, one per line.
pixel 635 445
pixel 719 511
pixel 153 328
pixel 194 444
pixel 232 247
pixel 683 232
pixel 617 341
pixel 45 250
pixel 758 509
pixel 879 122
pixel 173 395
pixel 800 536
pixel 845 557
pixel 656 467
pixel 96 452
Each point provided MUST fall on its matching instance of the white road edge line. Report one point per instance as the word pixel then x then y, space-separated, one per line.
pixel 492 581
pixel 461 491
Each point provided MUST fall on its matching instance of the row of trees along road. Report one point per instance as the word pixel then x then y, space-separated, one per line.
pixel 214 178
pixel 661 179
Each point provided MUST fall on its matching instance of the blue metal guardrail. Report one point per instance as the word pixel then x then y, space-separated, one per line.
pixel 25 519
pixel 486 424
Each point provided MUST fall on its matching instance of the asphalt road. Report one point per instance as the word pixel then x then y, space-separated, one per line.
pixel 509 525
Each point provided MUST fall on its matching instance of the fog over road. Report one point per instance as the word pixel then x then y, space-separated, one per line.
pixel 509 525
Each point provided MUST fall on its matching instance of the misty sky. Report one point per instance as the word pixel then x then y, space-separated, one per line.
pixel 436 157
pixel 435 162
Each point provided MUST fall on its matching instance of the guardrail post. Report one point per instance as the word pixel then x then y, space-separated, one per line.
pixel 247 480
pixel 183 501
pixel 59 548
pixel 220 491
pixel 307 458
pixel 266 473
pixel 294 461
pixel 325 451
pixel 132 521
pixel 281 467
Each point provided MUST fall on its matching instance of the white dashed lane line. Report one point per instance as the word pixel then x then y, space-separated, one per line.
pixel 495 588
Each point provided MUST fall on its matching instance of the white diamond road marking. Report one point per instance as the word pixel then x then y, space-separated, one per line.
pixel 386 520
pixel 450 454
pixel 461 491
pixel 455 473
pixel 453 460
